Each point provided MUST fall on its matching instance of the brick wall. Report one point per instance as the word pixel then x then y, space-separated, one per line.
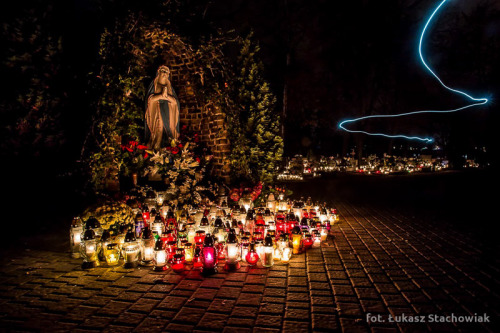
pixel 208 120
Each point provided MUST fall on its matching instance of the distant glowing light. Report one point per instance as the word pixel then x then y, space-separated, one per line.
pixel 475 101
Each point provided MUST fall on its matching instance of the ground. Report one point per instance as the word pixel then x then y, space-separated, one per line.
pixel 405 247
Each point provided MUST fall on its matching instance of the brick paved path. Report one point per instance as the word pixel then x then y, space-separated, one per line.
pixel 377 261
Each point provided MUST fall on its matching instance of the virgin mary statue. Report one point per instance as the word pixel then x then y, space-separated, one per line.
pixel 162 111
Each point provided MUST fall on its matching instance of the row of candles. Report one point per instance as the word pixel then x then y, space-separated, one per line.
pixel 166 237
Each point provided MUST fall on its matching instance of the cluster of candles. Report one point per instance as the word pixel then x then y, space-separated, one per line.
pixel 163 237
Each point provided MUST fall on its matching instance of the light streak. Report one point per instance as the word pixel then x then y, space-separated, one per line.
pixel 475 101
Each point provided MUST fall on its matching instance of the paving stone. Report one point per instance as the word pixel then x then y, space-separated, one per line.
pixel 189 315
pixel 353 325
pixel 175 327
pixel 296 327
pixel 172 303
pixel 367 293
pixel 265 320
pixel 324 322
pixel 349 310
pixel 113 308
pixel 372 266
pixel 276 282
pixel 253 288
pixel 346 290
pixel 144 305
pixel 277 292
pixel 213 321
pixel 221 305
pixel 272 308
pixel 230 329
pixel 249 299
pixel 256 279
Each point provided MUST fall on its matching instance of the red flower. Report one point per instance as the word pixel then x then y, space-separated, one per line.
pixel 127 148
pixel 142 147
pixel 146 155
pixel 133 143
pixel 175 150
pixel 198 160
pixel 180 145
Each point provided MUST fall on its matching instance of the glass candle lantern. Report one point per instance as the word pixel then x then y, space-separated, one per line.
pixel 281 225
pixel 169 236
pixel 290 225
pixel 147 247
pixel 246 203
pixel 286 254
pixel 270 226
pixel 102 244
pixel 75 237
pixel 88 249
pixel 164 211
pixel 191 233
pixel 304 224
pixel 245 245
pixel 220 234
pixel 308 240
pixel 241 215
pixel 212 212
pixel 145 214
pixel 259 246
pixel 178 262
pixel 282 205
pixel 334 215
pixel 316 238
pixel 131 250
pixel 139 224
pixel 324 233
pixel 188 252
pixel 198 257
pixel 271 204
pixel 199 237
pixel 283 243
pixel 252 257
pixel 112 254
pixel 160 198
pixel 257 235
pixel 296 240
pixel 159 256
pixel 221 250
pixel 233 251
pixel 205 225
pixel 209 256
pixel 267 254
pixel 170 249
pixel 93 223
pixel 171 221
pixel 271 233
pixel 157 225
pixel 120 238
pixel 277 254
pixel 182 236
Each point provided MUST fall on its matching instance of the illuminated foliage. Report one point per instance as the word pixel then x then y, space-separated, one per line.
pixel 254 124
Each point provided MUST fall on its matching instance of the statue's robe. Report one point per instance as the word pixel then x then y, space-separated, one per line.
pixel 162 119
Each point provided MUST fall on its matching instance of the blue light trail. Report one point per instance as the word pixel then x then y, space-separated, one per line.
pixel 475 101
